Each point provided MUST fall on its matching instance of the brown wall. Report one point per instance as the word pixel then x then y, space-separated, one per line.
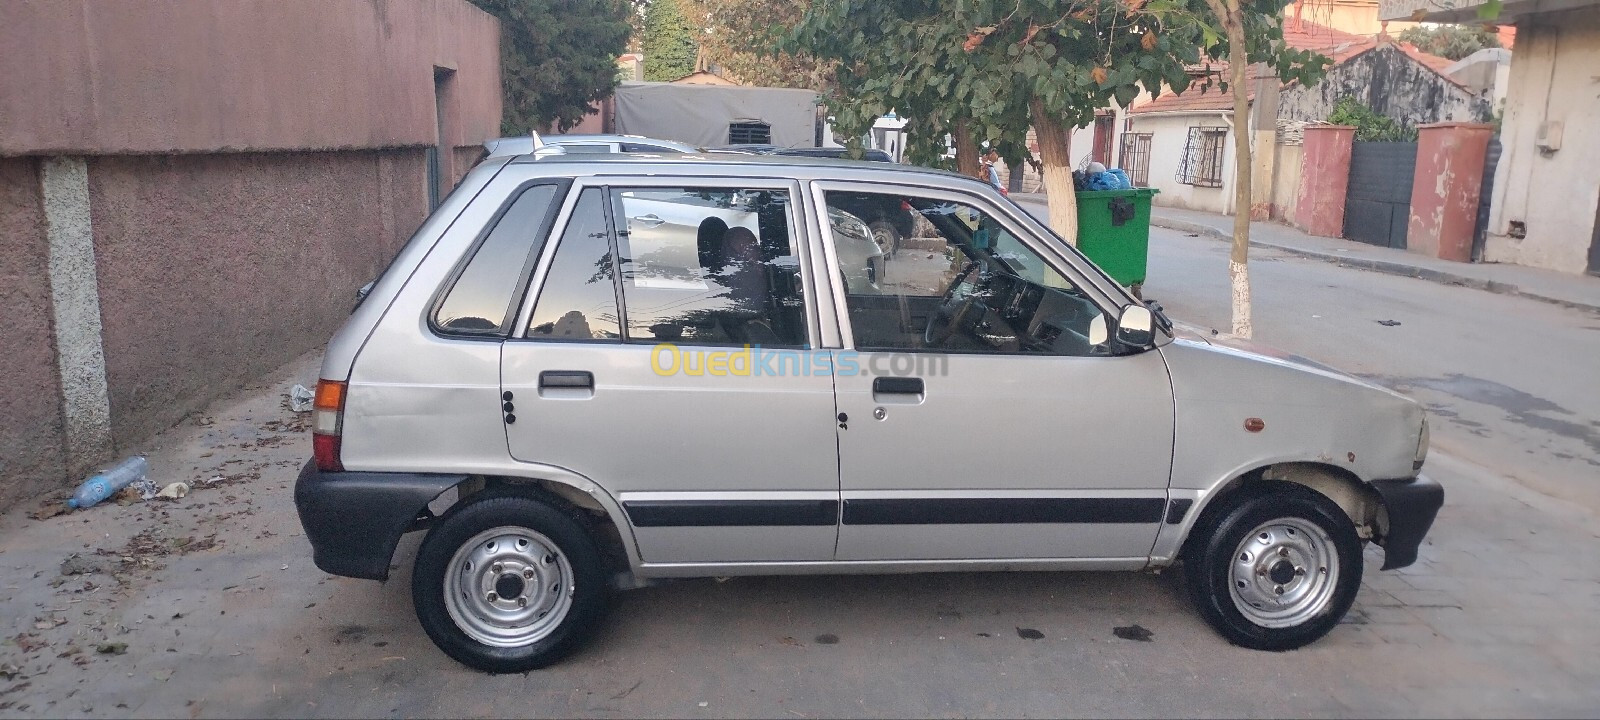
pixel 216 268
pixel 30 397
pixel 89 77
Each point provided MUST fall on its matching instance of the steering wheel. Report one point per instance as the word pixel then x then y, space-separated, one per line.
pixel 952 312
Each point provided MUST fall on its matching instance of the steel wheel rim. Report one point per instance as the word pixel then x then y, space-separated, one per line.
pixel 884 240
pixel 1283 573
pixel 508 587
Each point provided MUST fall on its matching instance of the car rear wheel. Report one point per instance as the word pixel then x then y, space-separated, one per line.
pixel 1275 569
pixel 508 583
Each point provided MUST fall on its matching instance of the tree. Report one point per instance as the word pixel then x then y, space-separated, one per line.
pixel 557 58
pixel 1369 125
pixel 671 42
pixel 995 68
pixel 1231 15
pixel 742 38
pixel 1451 41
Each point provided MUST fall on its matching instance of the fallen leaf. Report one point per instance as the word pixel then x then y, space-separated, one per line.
pixel 112 648
pixel 1133 632
pixel 49 510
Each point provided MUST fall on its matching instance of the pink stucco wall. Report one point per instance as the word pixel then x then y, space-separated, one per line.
pixel 30 397
pixel 91 77
pixel 1444 191
pixel 216 268
pixel 1324 179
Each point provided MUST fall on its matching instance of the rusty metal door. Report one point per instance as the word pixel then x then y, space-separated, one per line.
pixel 1378 203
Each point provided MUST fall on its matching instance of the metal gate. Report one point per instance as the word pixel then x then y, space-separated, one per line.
pixel 1378 202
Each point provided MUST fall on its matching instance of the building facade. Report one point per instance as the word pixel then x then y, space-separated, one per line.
pixel 190 194
pixel 1546 199
pixel 1190 134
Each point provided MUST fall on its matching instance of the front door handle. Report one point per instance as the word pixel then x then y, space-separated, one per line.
pixel 566 379
pixel 897 385
pixel 648 221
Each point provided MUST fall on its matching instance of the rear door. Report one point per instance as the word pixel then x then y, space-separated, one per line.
pixel 638 364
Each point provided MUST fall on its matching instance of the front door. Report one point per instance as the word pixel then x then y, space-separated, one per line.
pixel 638 366
pixel 984 413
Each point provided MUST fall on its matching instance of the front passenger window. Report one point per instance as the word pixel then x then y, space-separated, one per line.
pixel 960 282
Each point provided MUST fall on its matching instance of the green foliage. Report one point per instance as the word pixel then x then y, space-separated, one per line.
pixel 743 37
pixel 670 42
pixel 1370 126
pixel 944 62
pixel 557 57
pixel 1451 41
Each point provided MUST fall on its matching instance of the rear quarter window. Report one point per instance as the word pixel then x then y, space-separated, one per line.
pixel 482 295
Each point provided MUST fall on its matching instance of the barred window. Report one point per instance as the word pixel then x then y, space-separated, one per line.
pixel 1136 158
pixel 749 132
pixel 1202 157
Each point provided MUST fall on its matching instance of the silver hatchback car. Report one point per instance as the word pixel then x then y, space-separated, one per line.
pixel 587 372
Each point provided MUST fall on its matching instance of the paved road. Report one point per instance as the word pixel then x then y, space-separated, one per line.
pixel 1496 618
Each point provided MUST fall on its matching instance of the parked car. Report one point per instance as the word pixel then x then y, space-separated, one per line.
pixel 890 223
pixel 839 153
pixel 569 404
pixel 523 144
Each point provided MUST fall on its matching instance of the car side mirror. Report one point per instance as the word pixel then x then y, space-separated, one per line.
pixel 1136 327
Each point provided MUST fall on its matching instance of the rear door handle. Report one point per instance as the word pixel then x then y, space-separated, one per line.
pixel 566 379
pixel 648 221
pixel 897 385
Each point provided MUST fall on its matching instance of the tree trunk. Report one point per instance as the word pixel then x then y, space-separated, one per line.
pixel 1055 152
pixel 968 162
pixel 1229 13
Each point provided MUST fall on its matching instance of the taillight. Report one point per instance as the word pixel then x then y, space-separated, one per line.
pixel 327 423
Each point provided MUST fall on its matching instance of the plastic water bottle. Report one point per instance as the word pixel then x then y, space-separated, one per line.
pixel 105 484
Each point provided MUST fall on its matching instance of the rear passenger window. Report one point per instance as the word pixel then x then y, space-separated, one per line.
pixel 480 300
pixel 709 266
pixel 579 297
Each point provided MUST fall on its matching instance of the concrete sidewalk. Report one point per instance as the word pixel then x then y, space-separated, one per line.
pixel 1575 291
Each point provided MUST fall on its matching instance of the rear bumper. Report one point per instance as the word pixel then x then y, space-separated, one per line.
pixel 354 520
pixel 1411 504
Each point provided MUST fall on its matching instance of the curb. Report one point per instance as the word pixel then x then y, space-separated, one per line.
pixel 1383 266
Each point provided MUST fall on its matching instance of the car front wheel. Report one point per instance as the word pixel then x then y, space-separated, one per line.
pixel 886 236
pixel 507 583
pixel 1276 569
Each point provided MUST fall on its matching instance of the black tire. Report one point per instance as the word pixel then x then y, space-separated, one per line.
pixel 1212 555
pixel 590 595
pixel 886 229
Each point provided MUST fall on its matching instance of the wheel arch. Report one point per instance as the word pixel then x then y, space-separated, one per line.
pixel 595 508
pixel 1359 501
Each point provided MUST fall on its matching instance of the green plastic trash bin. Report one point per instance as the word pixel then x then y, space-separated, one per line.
pixel 1114 232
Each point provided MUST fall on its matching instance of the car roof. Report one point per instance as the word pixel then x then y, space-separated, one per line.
pixel 797 166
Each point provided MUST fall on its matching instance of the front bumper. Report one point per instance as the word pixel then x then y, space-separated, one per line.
pixel 1411 504
pixel 354 520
